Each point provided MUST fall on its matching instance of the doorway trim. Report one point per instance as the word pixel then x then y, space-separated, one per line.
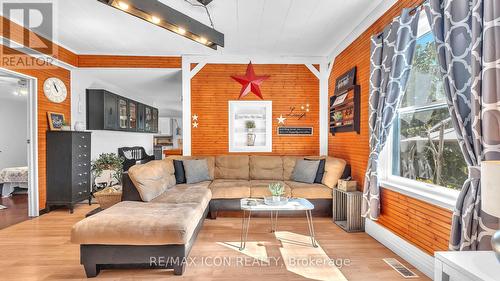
pixel 33 195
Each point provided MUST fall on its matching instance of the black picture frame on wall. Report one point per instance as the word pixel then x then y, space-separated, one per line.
pixel 345 81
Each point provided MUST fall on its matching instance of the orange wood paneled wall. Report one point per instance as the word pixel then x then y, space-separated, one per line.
pixel 129 61
pixel 44 106
pixel 289 85
pixel 420 223
pixel 426 226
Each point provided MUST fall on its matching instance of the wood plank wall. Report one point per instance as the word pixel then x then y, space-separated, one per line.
pixel 422 224
pixel 44 106
pixel 289 85
pixel 129 61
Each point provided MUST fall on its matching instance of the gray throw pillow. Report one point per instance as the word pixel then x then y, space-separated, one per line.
pixel 305 171
pixel 196 170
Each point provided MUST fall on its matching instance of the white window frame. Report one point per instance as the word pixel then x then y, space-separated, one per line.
pixel 430 193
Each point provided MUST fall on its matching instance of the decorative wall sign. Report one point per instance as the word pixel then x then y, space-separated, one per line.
pixel 299 114
pixel 56 121
pixel 295 131
pixel 281 119
pixel 345 81
pixel 250 82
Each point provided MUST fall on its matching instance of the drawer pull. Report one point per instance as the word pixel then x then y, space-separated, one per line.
pixel 84 155
pixel 84 146
pixel 80 183
pixel 80 193
pixel 83 137
pixel 80 175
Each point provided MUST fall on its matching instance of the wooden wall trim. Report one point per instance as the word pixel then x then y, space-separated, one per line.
pixel 129 61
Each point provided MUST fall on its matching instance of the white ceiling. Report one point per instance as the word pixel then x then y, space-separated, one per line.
pixel 251 27
pixel 160 88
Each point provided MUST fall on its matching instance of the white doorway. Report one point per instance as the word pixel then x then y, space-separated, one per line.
pixel 17 87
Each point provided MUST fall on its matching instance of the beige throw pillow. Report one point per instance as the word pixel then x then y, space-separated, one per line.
pixel 153 178
pixel 334 168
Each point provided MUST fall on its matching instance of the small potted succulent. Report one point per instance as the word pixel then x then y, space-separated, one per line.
pixel 250 125
pixel 277 191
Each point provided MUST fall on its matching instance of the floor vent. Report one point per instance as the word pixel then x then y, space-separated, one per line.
pixel 399 267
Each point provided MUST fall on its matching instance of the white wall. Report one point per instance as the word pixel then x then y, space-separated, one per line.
pixel 13 132
pixel 103 141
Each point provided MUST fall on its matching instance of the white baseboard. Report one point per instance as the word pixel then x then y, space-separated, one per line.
pixel 416 257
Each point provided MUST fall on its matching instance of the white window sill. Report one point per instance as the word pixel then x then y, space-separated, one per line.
pixel 435 195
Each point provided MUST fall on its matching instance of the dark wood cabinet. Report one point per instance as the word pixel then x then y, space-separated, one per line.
pixel 108 111
pixel 68 168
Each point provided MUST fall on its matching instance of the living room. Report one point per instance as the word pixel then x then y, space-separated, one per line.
pixel 220 139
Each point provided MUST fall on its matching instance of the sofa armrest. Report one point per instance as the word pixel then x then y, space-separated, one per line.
pixel 129 191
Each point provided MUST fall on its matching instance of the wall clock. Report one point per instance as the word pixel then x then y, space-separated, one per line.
pixel 55 90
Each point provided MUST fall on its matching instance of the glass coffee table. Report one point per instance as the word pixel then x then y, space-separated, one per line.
pixel 250 205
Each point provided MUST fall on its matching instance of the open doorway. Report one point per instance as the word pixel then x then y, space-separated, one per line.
pixel 18 157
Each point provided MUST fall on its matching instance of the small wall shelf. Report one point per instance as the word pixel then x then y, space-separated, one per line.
pixel 345 110
pixel 242 111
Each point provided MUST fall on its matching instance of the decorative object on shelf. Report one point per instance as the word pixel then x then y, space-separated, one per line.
pixel 161 15
pixel 345 104
pixel 347 210
pixel 65 126
pixel 347 185
pixel 295 131
pixel 281 119
pixel 250 125
pixel 277 191
pixel 56 121
pixel 250 82
pixel 79 126
pixel 195 124
pixel 490 197
pixel 55 90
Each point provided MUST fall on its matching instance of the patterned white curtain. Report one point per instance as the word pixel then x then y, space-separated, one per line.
pixel 467 34
pixel 391 60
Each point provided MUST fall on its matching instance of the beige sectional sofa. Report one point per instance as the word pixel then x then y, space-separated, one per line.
pixel 158 218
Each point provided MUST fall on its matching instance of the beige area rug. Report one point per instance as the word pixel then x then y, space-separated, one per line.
pixel 297 255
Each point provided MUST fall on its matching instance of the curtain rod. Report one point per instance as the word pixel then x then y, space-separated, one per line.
pixel 411 11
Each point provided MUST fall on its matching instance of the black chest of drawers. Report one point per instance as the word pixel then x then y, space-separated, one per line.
pixel 68 168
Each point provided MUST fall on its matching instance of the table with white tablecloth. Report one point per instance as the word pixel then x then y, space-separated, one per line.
pixel 14 177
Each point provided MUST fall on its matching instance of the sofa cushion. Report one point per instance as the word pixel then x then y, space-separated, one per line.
pixel 210 162
pixel 196 170
pixel 138 223
pixel 153 178
pixel 266 168
pixel 187 193
pixel 305 170
pixel 232 167
pixel 334 168
pixel 230 189
pixel 288 165
pixel 260 188
pixel 180 176
pixel 309 191
pixel 321 169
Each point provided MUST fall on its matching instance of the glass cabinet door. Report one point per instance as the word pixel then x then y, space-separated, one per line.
pixel 155 120
pixel 132 111
pixel 140 117
pixel 122 114
pixel 110 112
pixel 148 119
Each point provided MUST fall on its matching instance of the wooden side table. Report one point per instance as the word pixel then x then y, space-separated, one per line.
pixel 347 210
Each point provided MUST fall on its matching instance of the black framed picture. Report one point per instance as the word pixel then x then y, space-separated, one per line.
pixel 56 121
pixel 345 81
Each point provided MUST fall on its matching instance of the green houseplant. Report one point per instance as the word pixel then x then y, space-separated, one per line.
pixel 250 125
pixel 108 161
pixel 277 190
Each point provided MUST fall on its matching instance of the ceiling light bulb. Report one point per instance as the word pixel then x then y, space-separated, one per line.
pixel 155 20
pixel 181 30
pixel 123 5
pixel 203 40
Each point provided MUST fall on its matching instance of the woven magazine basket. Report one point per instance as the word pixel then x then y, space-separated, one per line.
pixel 109 196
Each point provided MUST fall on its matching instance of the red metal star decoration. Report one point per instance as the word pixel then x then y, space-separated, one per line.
pixel 250 82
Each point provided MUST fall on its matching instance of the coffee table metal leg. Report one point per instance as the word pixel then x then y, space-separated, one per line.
pixel 274 221
pixel 311 228
pixel 245 224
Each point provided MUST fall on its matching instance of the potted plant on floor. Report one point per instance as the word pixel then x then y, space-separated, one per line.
pixel 250 125
pixel 107 171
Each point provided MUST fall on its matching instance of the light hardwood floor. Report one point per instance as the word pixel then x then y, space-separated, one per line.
pixel 39 249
